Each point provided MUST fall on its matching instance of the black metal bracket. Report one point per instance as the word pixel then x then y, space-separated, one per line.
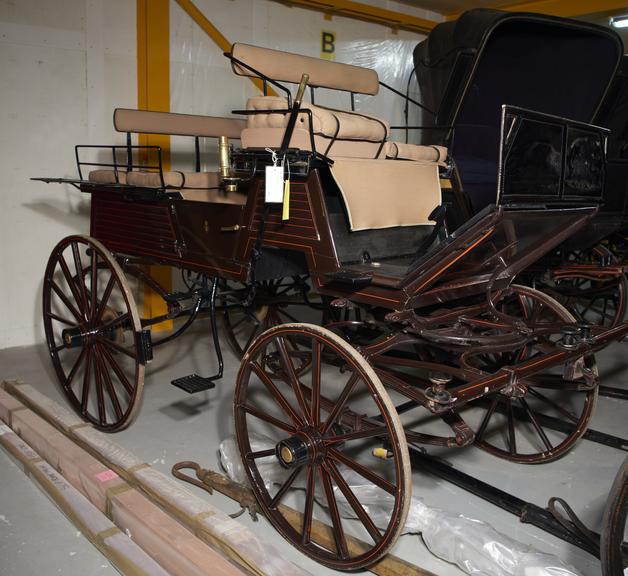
pixel 144 346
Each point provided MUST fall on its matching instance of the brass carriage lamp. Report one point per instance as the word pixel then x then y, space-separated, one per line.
pixel 229 181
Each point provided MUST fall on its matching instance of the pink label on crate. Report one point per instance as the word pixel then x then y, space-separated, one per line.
pixel 106 476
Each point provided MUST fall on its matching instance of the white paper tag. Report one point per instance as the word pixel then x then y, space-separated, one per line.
pixel 274 184
pixel 4 429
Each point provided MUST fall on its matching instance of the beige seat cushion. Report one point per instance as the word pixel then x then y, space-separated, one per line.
pixel 107 177
pixel 387 193
pixel 174 179
pixel 403 151
pixel 325 121
pixel 272 138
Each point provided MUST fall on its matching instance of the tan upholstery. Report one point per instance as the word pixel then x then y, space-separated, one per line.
pixel 387 193
pixel 199 186
pixel 403 151
pixel 147 122
pixel 325 121
pixel 272 137
pixel 286 67
pixel 174 179
pixel 107 177
pixel 219 196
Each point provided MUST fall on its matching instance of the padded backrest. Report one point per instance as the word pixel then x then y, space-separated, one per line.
pixel 387 193
pixel 147 122
pixel 287 67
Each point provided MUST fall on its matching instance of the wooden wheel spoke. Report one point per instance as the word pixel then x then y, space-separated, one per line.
pixel 260 454
pixel 60 319
pixel 293 379
pixel 284 488
pixel 116 368
pixel 115 402
pixel 113 322
pixel 111 344
pixel 254 332
pixel 340 402
pixel 570 415
pixel 536 424
pixel 93 285
pixel 66 301
pixel 363 471
pixel 100 396
pixel 86 382
pixel 489 413
pixel 76 366
pixel 353 501
pixel 308 510
pixel 78 266
pixel 315 399
pixel 268 418
pixel 512 442
pixel 105 298
pixel 238 322
pixel 368 433
pixel 339 533
pixel 72 285
pixel 276 394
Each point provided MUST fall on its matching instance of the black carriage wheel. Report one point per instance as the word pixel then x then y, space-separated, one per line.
pixel 313 431
pixel 91 324
pixel 519 423
pixel 614 558
pixel 601 302
pixel 274 304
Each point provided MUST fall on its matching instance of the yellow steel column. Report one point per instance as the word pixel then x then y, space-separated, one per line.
pixel 153 93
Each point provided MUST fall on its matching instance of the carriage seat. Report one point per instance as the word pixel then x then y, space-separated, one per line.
pixel 197 186
pixel 337 133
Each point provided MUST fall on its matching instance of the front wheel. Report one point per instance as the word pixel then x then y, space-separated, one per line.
pixel 92 327
pixel 319 431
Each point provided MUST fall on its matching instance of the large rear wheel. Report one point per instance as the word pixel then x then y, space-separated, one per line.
pixel 537 419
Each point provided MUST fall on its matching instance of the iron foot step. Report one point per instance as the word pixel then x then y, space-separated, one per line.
pixel 194 383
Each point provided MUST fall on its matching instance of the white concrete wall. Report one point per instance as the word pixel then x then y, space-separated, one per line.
pixel 66 64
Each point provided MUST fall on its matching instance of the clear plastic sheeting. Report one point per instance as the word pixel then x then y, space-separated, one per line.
pixel 269 467
pixel 474 546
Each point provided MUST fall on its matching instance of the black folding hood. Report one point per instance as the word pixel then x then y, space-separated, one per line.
pixel 468 68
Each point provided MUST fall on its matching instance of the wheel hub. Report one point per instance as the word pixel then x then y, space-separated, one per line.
pixel 73 337
pixel 305 447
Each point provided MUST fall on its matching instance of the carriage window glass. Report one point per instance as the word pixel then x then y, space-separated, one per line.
pixel 533 156
pixel 584 166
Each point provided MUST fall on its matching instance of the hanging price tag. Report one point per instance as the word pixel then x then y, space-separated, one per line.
pixel 274 180
pixel 285 215
pixel 274 184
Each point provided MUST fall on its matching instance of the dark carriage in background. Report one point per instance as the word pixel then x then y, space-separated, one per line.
pixel 469 68
pixel 440 347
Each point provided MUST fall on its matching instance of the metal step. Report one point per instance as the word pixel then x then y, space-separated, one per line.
pixel 194 383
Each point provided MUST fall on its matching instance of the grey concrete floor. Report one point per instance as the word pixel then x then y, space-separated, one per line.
pixel 173 426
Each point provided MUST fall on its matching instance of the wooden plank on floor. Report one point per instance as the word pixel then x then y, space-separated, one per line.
pixel 210 524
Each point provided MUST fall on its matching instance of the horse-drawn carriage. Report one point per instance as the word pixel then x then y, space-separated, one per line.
pixel 469 67
pixel 442 347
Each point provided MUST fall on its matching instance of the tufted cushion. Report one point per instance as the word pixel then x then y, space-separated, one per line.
pixel 107 177
pixel 326 121
pixel 174 179
pixel 403 151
